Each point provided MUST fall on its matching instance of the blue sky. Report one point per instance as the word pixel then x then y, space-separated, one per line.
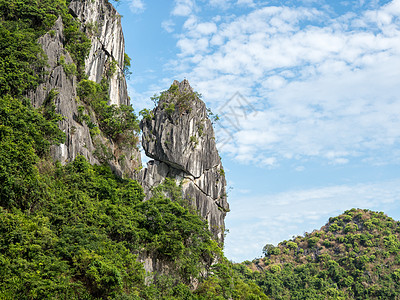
pixel 309 98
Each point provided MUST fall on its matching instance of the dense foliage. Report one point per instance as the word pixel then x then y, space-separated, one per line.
pixel 22 60
pixel 75 231
pixel 25 134
pixel 117 122
pixel 355 255
pixel 82 237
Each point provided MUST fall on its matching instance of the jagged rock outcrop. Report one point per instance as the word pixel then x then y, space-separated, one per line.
pixel 78 140
pixel 101 21
pixel 179 136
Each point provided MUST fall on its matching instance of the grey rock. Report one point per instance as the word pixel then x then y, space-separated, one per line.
pixel 154 265
pixel 102 24
pixel 180 138
pixel 78 140
pixel 124 161
pixel 184 137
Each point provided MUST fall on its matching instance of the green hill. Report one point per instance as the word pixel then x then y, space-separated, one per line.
pixel 355 255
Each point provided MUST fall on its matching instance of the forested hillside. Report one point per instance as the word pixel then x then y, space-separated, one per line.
pixel 75 231
pixel 354 256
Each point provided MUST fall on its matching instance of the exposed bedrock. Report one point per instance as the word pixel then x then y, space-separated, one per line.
pixel 179 136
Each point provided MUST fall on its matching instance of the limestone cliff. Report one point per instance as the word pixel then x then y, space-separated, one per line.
pixel 179 136
pixel 101 22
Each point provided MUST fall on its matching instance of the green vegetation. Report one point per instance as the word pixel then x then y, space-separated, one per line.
pixel 22 60
pixel 146 114
pixel 354 256
pixel 174 100
pixel 22 66
pixel 170 108
pixel 69 69
pixel 213 117
pixel 127 66
pixel 76 42
pixel 194 141
pixel 225 282
pixel 200 128
pixel 80 239
pixel 111 68
pixel 117 122
pixel 75 231
pixel 25 135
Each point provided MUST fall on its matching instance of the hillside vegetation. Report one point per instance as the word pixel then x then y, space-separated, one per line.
pixel 355 255
pixel 75 231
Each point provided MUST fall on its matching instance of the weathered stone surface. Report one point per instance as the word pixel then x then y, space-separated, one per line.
pixel 102 24
pixel 154 265
pixel 78 140
pixel 180 138
pixel 123 160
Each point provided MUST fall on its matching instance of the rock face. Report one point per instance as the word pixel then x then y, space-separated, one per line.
pixel 179 136
pixel 78 140
pixel 102 24
pixel 107 48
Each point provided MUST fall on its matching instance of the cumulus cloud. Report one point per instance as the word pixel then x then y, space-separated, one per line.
pixel 271 216
pixel 183 8
pixel 137 6
pixel 321 83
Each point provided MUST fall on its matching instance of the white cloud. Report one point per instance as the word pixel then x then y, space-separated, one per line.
pixel 168 25
pixel 224 4
pixel 206 28
pixel 272 216
pixel 246 2
pixel 268 161
pixel 137 6
pixel 321 84
pixel 183 8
